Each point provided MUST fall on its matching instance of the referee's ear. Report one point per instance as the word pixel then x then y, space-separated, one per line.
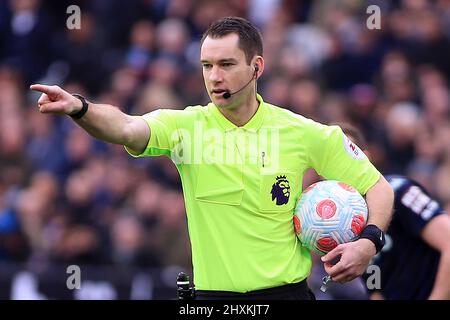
pixel 258 64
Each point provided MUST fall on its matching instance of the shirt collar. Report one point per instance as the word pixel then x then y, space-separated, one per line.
pixel 253 125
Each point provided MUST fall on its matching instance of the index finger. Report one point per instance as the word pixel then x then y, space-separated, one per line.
pixel 42 88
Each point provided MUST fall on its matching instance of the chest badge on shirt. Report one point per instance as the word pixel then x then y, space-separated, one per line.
pixel 281 190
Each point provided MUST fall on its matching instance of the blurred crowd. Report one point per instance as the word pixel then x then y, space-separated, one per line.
pixel 67 198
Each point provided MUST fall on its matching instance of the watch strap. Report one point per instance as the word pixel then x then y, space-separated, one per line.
pixel 84 108
pixel 374 234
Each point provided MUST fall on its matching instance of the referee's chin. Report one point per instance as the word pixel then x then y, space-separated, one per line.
pixel 221 102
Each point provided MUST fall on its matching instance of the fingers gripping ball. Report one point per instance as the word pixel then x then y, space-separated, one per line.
pixel 329 213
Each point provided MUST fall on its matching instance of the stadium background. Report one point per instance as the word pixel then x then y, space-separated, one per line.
pixel 67 199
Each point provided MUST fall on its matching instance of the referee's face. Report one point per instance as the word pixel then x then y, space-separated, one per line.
pixel 225 69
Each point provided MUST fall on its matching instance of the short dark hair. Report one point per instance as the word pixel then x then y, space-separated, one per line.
pixel 250 39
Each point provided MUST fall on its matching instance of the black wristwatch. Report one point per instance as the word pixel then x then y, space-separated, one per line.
pixel 84 108
pixel 374 234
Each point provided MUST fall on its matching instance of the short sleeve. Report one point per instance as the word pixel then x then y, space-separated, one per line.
pixel 335 157
pixel 163 133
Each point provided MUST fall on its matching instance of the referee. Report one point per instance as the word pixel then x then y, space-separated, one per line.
pixel 241 162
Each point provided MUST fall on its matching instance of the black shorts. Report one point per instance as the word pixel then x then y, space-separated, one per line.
pixel 293 291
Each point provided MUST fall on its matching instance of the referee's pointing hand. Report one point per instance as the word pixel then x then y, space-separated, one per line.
pixel 55 100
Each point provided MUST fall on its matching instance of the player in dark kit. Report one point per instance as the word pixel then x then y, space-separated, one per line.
pixel 415 261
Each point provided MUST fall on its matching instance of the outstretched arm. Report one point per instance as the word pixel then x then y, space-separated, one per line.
pixel 104 122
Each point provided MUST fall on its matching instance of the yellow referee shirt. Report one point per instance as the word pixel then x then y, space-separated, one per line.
pixel 241 185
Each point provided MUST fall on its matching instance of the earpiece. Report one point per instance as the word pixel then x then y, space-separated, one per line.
pixel 256 68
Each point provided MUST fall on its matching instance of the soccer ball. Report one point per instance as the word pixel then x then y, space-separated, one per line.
pixel 329 213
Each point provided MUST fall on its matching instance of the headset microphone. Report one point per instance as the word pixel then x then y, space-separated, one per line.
pixel 228 94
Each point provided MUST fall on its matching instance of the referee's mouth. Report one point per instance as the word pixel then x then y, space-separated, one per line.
pixel 218 92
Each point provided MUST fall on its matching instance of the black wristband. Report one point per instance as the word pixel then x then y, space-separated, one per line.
pixel 374 234
pixel 84 108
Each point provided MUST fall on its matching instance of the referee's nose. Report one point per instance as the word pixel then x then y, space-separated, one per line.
pixel 215 75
